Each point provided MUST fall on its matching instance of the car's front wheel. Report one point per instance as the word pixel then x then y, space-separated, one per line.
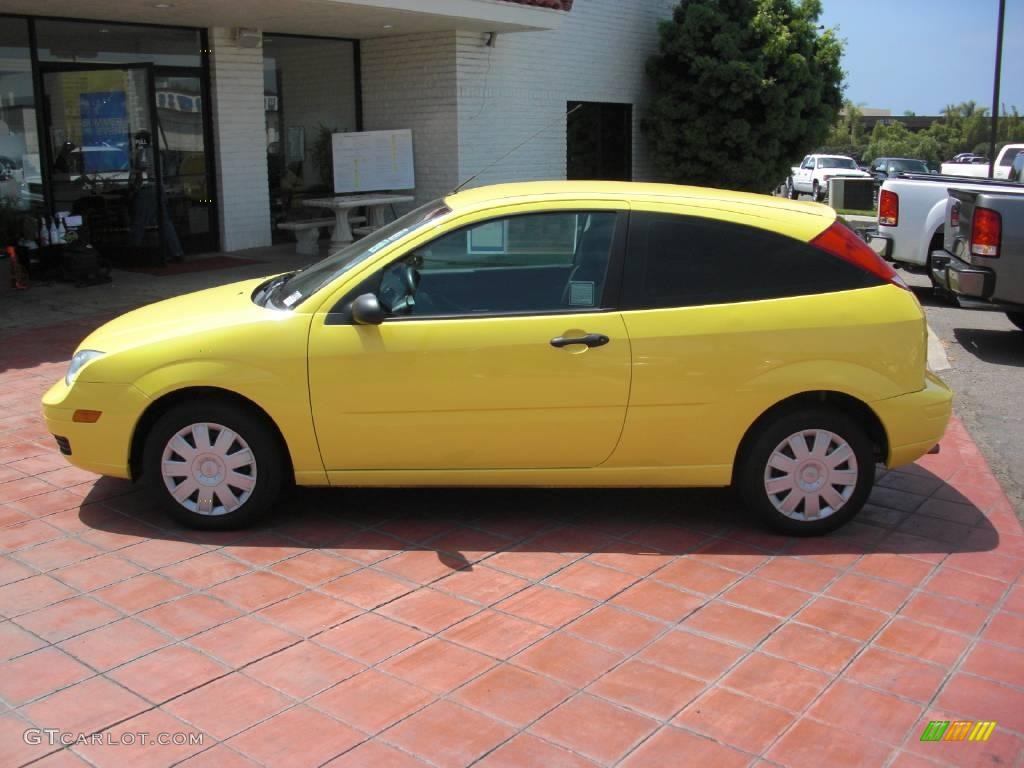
pixel 213 465
pixel 807 472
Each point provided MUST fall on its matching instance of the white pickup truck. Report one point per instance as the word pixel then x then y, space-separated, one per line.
pixel 912 212
pixel 812 175
pixel 980 170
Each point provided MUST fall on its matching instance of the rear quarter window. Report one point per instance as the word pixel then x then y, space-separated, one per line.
pixel 681 261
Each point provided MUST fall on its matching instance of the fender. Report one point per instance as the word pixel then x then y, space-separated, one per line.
pixel 291 413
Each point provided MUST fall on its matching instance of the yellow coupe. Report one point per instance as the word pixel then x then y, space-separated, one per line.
pixel 538 334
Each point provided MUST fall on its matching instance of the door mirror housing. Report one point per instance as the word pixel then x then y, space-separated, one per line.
pixel 366 310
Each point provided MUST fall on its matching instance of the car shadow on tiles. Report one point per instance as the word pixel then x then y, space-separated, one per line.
pixel 911 511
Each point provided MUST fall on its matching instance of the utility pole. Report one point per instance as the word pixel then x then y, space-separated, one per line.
pixel 995 91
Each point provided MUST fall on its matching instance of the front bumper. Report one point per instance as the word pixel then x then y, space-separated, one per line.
pixel 102 447
pixel 915 422
pixel 880 244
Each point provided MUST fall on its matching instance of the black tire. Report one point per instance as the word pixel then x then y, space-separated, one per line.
pixel 750 475
pixel 816 193
pixel 1017 318
pixel 268 464
pixel 791 192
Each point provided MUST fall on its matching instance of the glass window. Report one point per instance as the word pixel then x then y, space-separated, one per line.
pixel 309 92
pixel 545 262
pixel 20 178
pixel 680 261
pixel 83 42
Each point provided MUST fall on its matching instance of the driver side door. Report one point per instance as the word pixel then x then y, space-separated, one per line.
pixel 501 349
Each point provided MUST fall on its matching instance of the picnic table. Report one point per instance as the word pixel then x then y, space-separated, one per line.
pixel 342 206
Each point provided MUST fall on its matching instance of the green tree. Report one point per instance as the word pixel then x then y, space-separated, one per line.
pixel 847 135
pixel 741 88
pixel 894 140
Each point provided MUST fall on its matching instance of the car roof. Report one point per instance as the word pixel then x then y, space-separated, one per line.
pixel 797 218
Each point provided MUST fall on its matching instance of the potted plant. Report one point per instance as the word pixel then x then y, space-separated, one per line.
pixel 322 154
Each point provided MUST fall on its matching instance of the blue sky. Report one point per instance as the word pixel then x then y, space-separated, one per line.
pixel 923 54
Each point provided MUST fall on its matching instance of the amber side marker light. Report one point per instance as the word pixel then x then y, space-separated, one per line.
pixel 86 417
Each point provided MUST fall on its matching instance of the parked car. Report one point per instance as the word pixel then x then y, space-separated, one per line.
pixel 536 334
pixel 812 175
pixel 884 167
pixel 983 255
pixel 977 166
pixel 911 214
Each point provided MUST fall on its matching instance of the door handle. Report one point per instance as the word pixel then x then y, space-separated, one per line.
pixel 590 340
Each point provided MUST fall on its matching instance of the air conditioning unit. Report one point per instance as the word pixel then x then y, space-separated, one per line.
pixel 247 37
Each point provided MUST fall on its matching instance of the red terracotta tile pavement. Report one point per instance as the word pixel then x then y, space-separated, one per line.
pixel 512 629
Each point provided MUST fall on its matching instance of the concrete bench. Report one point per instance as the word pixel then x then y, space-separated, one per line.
pixel 307 234
pixel 364 231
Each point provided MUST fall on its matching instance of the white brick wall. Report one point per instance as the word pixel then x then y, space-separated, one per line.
pixel 239 141
pixel 468 103
pixel 410 82
pixel 513 90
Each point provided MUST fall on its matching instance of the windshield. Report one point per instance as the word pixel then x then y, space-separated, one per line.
pixel 837 162
pixel 305 283
pixel 911 166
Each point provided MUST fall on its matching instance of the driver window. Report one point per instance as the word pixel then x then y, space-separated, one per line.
pixel 544 262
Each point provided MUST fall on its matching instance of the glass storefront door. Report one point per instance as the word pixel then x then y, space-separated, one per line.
pixel 180 116
pixel 103 160
pixel 131 99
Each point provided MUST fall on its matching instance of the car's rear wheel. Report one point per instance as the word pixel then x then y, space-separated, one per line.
pixel 1017 318
pixel 213 465
pixel 807 472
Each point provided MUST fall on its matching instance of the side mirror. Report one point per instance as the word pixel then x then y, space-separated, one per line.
pixel 933 171
pixel 366 310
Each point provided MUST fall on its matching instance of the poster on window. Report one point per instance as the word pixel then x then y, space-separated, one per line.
pixel 105 139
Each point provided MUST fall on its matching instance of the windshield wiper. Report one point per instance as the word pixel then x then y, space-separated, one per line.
pixel 268 290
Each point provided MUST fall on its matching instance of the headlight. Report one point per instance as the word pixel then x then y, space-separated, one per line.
pixel 78 362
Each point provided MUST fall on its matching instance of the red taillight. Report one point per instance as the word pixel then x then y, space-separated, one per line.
pixel 842 242
pixel 954 215
pixel 888 208
pixel 986 232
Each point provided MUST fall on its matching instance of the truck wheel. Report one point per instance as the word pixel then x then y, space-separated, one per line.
pixel 1017 318
pixel 807 472
pixel 816 194
pixel 791 192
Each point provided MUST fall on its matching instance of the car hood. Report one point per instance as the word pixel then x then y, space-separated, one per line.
pixel 192 313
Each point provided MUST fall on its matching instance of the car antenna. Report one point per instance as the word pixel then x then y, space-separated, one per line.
pixel 517 146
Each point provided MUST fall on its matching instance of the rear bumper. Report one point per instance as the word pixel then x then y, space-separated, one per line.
pixel 915 422
pixel 880 244
pixel 962 278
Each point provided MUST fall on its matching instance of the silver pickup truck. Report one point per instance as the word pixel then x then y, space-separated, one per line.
pixel 983 250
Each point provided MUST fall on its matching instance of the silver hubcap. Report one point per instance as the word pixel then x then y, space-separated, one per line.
pixel 208 469
pixel 811 475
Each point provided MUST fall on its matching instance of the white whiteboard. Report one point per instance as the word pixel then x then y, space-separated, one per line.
pixel 373 161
